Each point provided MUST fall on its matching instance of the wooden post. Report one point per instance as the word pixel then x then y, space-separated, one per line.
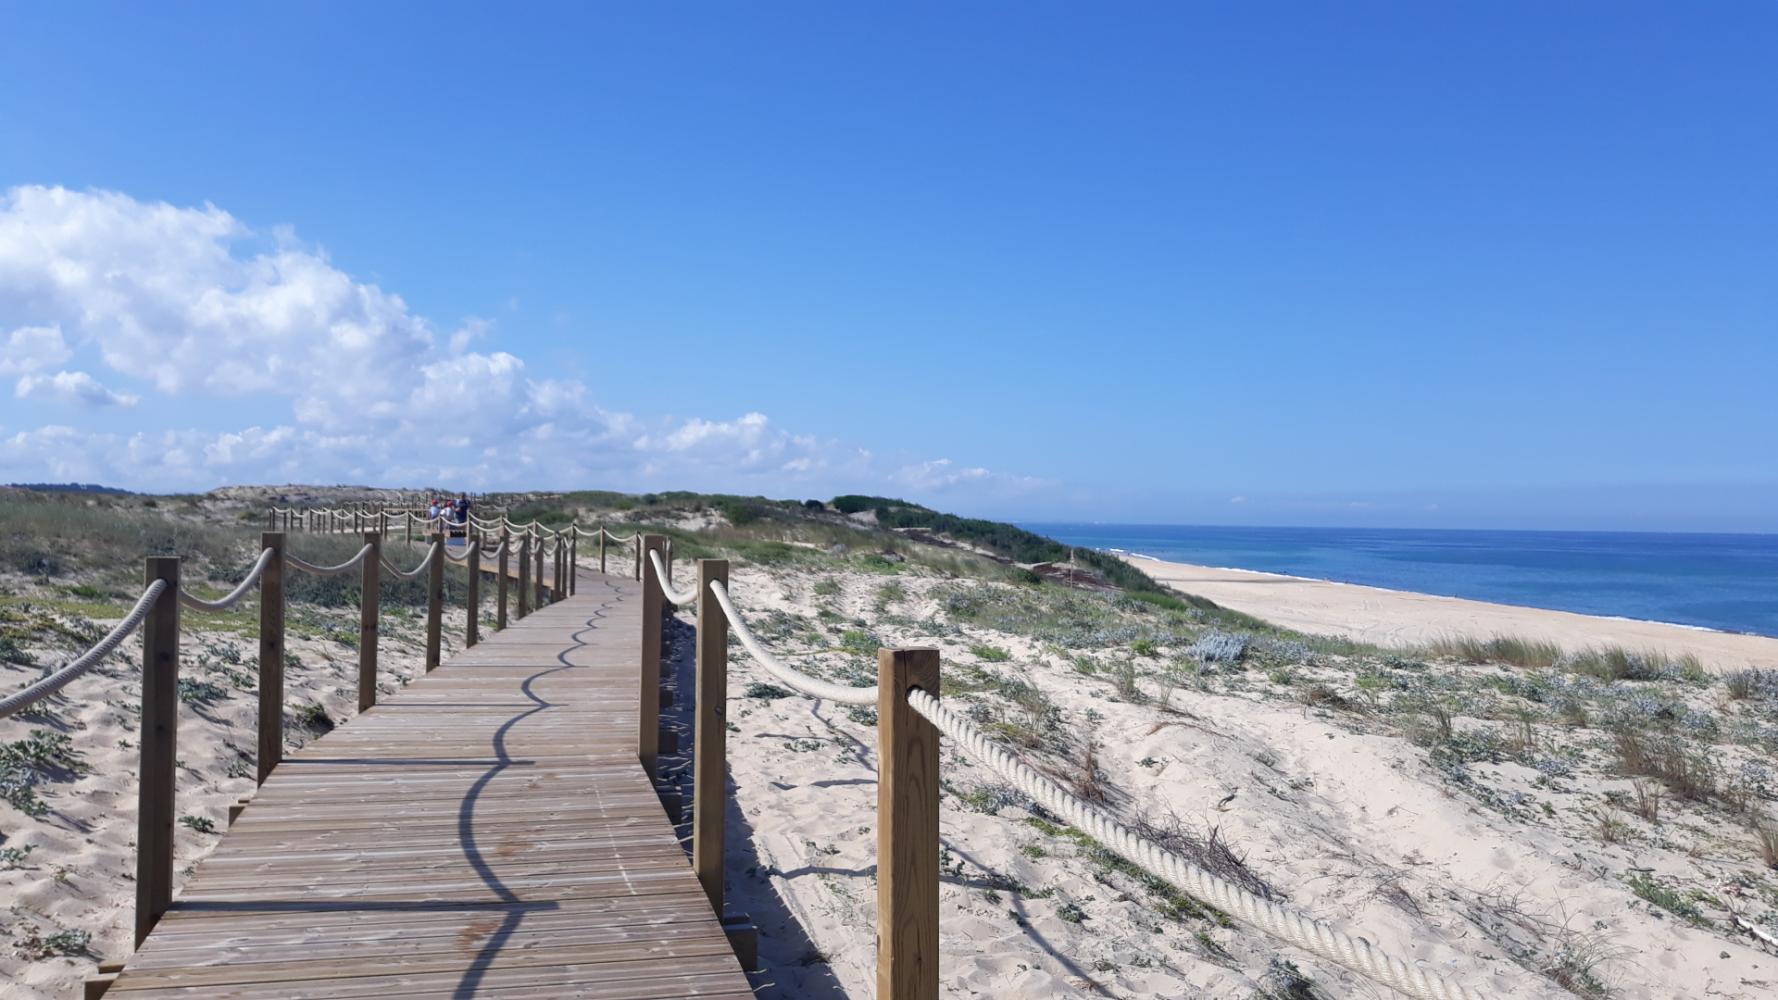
pixel 367 621
pixel 272 519
pixel 601 549
pixel 648 736
pixel 271 656
pixel 474 600
pixel 709 750
pixel 573 560
pixel 542 591
pixel 383 523
pixel 638 540
pixel 434 600
pixel 562 571
pixel 907 828
pixel 409 521
pixel 525 575
pixel 159 748
pixel 500 580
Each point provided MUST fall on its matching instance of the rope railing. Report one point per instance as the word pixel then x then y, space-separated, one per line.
pixel 431 554
pixel 339 570
pixel 814 687
pixel 1279 921
pixel 676 596
pixel 234 596
pixel 18 701
pixel 1282 923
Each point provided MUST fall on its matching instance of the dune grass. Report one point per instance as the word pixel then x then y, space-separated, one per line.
pixel 1609 663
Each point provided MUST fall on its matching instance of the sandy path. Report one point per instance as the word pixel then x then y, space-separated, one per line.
pixel 1402 618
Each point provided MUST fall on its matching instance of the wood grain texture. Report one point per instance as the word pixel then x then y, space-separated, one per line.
pixel 158 746
pixel 487 831
pixel 648 716
pixel 710 735
pixel 907 829
pixel 271 657
pixel 368 604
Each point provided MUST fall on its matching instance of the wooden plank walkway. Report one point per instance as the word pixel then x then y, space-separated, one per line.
pixel 486 831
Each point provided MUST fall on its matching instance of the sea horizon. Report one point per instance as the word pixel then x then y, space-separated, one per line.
pixel 1721 581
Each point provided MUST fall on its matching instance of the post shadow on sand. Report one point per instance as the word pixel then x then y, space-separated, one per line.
pixel 783 942
pixel 788 943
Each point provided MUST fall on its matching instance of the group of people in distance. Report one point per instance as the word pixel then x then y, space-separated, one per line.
pixel 455 511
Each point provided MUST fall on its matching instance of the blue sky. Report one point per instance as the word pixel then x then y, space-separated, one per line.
pixel 1359 263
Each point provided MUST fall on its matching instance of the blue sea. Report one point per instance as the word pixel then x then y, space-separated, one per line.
pixel 1726 582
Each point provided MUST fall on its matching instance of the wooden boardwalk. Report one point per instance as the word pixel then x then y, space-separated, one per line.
pixel 486 831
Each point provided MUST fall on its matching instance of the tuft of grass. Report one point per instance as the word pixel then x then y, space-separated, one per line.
pixel 1667 898
pixel 1123 679
pixel 1645 800
pixel 313 717
pixel 202 824
pixel 766 692
pixel 1612 828
pixel 1766 837
pixel 196 692
pixel 1754 684
pixel 1514 650
pixel 1088 779
pixel 1687 775
pixel 990 654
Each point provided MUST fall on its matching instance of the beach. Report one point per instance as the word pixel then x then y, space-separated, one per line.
pixel 1402 619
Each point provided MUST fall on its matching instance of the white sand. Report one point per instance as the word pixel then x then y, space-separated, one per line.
pixel 1354 828
pixel 1401 618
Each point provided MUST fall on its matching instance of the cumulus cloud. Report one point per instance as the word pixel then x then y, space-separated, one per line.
pixel 70 387
pixel 31 348
pixel 208 316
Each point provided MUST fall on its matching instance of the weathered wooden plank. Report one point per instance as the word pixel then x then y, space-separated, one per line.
pixel 488 830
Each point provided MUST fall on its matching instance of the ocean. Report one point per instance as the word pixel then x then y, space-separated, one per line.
pixel 1725 582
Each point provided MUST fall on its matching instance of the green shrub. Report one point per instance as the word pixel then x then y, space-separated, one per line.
pixel 990 654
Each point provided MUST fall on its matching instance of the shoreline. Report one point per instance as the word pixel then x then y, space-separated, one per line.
pixel 1402 618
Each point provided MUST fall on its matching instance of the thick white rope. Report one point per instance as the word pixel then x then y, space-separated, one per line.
pixel 19 700
pixel 458 558
pixel 342 568
pixel 617 539
pixel 660 576
pixel 1283 923
pixel 234 596
pixel 844 694
pixel 431 554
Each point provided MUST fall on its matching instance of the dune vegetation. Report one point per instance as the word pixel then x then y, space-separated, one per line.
pixel 1598 821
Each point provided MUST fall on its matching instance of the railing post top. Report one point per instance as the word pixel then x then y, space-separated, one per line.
pixel 900 669
pixel 272 540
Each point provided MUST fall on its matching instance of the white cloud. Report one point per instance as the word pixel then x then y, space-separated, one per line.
pixel 32 348
pixel 938 474
pixel 336 378
pixel 70 387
